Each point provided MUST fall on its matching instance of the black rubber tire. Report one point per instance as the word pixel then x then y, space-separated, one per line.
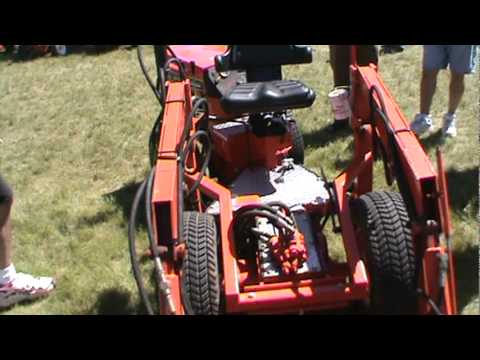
pixel 390 257
pixel 200 272
pixel 298 150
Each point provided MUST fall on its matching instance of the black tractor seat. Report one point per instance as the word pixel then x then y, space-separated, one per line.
pixel 270 96
pixel 264 90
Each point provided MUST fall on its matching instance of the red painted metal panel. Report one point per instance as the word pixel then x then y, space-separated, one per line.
pixel 416 163
pixel 202 55
pixel 298 297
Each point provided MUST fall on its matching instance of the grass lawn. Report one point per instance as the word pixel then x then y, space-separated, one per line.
pixel 73 144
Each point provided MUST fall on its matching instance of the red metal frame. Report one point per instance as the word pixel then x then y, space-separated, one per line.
pixel 427 189
pixel 342 283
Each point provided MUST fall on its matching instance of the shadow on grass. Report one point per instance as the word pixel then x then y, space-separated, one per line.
pixel 115 302
pixel 325 136
pixel 123 198
pixel 466 274
pixel 463 189
pixel 99 218
pixel 433 140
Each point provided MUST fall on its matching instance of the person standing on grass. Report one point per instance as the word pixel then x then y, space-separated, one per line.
pixel 15 287
pixel 462 60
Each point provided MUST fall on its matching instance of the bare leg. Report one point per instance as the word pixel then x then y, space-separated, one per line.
pixel 5 234
pixel 16 287
pixel 427 89
pixel 457 88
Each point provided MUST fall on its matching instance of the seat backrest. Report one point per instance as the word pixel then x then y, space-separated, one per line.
pixel 242 57
pixel 263 62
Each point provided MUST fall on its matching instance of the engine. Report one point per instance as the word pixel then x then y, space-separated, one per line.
pixel 278 229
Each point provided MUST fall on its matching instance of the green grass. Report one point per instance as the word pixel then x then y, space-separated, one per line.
pixel 74 135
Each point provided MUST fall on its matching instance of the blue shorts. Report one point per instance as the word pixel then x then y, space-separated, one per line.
pixel 460 58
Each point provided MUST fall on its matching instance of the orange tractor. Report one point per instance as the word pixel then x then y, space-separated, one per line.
pixel 235 221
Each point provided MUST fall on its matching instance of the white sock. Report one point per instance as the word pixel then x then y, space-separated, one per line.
pixel 7 274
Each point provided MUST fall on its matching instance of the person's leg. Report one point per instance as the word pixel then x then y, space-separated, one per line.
pixel 340 59
pixel 6 200
pixel 462 61
pixel 367 54
pixel 457 88
pixel 340 62
pixel 434 59
pixel 5 234
pixel 423 121
pixel 15 287
pixel 428 87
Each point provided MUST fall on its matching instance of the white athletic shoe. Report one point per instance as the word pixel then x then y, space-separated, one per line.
pixel 421 124
pixel 449 128
pixel 25 287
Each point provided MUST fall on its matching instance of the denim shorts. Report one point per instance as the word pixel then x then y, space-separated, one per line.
pixel 5 191
pixel 462 59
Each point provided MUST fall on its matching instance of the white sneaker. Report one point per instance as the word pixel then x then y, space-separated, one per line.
pixel 421 124
pixel 449 128
pixel 25 287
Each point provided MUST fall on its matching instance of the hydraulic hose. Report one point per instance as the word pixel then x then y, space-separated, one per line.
pixel 181 70
pixel 189 122
pixel 164 286
pixel 181 151
pixel 373 107
pixel 276 220
pixel 133 252
pixel 270 207
pixel 141 59
pixel 145 191
pixel 159 91
pixel 383 114
pixel 206 160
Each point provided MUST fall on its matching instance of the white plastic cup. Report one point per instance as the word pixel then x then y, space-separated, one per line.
pixel 339 98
